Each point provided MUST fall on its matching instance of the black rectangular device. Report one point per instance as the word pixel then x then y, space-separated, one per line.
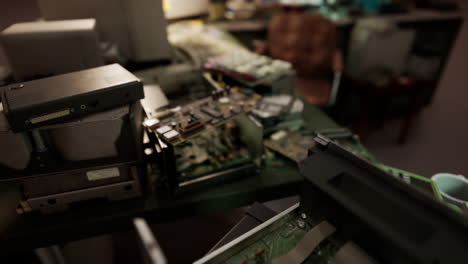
pixel 63 97
pixel 390 219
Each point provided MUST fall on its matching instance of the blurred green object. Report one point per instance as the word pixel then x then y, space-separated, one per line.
pixel 454 188
pixel 372 5
pixel 334 13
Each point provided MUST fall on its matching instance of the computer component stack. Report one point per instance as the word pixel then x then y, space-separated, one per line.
pixel 73 137
pixel 208 141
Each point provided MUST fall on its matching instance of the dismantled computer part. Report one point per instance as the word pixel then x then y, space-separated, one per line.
pixel 292 145
pixel 108 137
pixel 92 137
pixel 208 140
pixel 249 68
pixel 350 142
pixel 394 221
pixel 424 184
pixel 58 191
pixel 337 133
pixel 281 111
pixel 68 96
pixel 352 212
pixel 290 237
pixel 98 157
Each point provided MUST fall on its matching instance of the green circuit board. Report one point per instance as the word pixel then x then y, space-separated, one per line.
pixel 283 238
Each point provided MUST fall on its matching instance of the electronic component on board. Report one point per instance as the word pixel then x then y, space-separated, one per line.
pixel 292 145
pixel 205 141
pixel 163 129
pixel 171 135
pixel 350 211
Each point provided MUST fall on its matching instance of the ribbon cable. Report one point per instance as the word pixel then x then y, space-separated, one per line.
pixel 307 245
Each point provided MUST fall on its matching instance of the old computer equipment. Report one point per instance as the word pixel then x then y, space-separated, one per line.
pixel 45 48
pixel 138 27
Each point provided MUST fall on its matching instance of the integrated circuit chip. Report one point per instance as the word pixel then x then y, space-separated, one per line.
pixel 163 129
pixel 171 135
